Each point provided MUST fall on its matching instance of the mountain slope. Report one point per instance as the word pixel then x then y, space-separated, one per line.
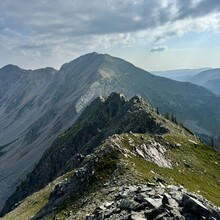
pixel 209 79
pixel 113 143
pixel 37 106
pixel 20 107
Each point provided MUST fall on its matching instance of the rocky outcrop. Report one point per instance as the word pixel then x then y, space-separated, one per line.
pixel 155 201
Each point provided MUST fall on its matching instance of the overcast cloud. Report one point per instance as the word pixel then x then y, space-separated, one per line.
pixel 66 28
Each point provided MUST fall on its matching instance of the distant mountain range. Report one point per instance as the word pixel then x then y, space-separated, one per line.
pixel 206 77
pixel 37 106
pixel 209 79
pixel 181 75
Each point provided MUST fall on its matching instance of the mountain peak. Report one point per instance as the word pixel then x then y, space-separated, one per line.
pixel 116 96
pixel 94 53
pixel 10 67
pixel 137 99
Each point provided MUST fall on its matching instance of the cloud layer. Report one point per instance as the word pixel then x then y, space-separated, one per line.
pixel 66 28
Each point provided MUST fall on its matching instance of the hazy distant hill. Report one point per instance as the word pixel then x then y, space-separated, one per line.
pixel 181 75
pixel 37 106
pixel 209 79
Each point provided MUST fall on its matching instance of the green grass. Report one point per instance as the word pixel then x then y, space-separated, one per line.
pixel 30 206
pixel 194 167
pixel 103 168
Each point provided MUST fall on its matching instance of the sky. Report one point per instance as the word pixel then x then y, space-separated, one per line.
pixel 152 34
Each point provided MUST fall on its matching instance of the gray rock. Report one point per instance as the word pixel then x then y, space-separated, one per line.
pixel 176 214
pixel 151 184
pixel 179 218
pixel 131 188
pixel 145 188
pixel 172 188
pixel 108 213
pixel 140 198
pixel 167 200
pixel 172 205
pixel 161 216
pixel 177 195
pixel 154 203
pixel 195 206
pixel 127 204
pixel 108 204
pixel 137 216
pixel 160 180
pixel 151 193
pixel 160 189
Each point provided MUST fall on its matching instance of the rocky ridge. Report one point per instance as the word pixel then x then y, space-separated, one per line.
pixel 103 118
pixel 155 201
pixel 107 186
pixel 114 144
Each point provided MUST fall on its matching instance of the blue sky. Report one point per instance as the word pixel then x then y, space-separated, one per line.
pixel 154 35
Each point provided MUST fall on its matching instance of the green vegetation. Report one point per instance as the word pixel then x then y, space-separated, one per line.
pixel 195 166
pixel 170 117
pixel 29 207
pixel 112 143
pixel 103 170
pixel 105 167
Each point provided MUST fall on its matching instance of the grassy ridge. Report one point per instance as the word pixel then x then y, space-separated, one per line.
pixel 196 167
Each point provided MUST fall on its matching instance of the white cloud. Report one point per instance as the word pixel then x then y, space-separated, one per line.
pixel 72 27
pixel 180 27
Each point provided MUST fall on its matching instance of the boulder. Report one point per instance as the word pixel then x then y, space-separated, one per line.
pixel 127 204
pixel 195 206
pixel 173 204
pixel 137 216
pixel 154 203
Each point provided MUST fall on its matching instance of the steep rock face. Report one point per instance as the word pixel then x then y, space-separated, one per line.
pixel 37 106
